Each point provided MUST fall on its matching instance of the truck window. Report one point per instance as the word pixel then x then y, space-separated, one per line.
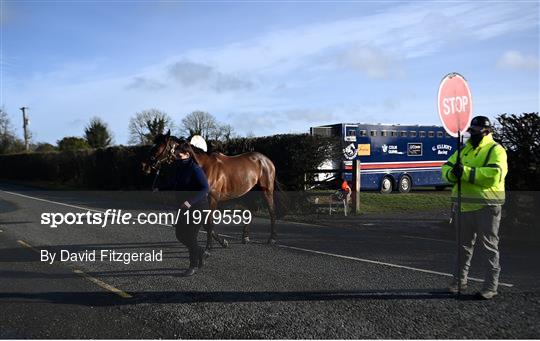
pixel 393 133
pixel 440 134
pixel 362 132
pixel 422 134
pixel 373 133
pixel 350 133
pixel 403 133
pixel 431 134
pixel 412 133
pixel 384 132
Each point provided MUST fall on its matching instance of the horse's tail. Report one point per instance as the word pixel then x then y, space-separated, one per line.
pixel 281 200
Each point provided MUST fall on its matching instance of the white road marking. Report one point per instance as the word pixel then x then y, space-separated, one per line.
pixel 431 239
pixel 383 263
pixel 53 202
pixel 302 224
pixel 288 247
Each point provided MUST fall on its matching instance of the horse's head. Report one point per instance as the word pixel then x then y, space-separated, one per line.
pixel 163 151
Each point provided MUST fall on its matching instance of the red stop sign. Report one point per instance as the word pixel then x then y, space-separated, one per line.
pixel 455 104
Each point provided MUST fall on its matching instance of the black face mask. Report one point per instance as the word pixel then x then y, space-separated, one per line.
pixel 476 139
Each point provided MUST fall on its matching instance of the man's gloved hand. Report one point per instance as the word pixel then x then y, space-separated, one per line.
pixel 186 205
pixel 457 170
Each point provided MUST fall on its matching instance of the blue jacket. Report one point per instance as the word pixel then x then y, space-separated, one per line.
pixel 188 177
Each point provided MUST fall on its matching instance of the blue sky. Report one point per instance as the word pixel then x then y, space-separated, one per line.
pixel 264 67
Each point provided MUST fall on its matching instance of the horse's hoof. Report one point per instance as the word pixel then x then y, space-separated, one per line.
pixel 271 241
pixel 225 244
pixel 245 240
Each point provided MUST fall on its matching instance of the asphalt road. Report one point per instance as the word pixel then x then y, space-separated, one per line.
pixel 374 279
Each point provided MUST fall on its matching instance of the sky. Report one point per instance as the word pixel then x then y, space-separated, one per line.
pixel 265 67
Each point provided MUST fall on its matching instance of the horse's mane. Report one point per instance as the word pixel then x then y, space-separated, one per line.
pixel 199 151
pixel 210 152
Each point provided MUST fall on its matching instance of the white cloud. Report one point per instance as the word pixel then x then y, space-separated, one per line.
pixel 140 82
pixel 514 60
pixel 280 69
pixel 189 73
pixel 372 62
pixel 406 31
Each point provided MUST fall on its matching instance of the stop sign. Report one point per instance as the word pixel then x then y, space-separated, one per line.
pixel 455 104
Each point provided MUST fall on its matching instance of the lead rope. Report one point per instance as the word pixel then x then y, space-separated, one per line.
pixel 155 179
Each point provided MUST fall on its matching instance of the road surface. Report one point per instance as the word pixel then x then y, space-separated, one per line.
pixel 376 279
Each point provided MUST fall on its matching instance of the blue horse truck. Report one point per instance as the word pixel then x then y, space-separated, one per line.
pixel 393 157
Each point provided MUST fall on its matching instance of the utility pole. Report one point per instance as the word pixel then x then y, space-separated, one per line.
pixel 25 127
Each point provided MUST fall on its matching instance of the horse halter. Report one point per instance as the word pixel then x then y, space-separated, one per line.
pixel 167 155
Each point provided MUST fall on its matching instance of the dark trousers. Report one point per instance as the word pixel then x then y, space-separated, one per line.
pixel 187 234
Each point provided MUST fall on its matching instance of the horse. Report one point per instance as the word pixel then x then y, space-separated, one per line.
pixel 229 177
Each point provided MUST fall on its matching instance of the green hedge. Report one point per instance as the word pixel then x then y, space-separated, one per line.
pixel 120 167
pixel 110 168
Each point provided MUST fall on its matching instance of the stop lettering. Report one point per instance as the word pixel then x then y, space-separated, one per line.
pixel 454 104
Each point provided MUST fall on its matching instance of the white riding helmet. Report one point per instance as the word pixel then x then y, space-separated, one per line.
pixel 199 142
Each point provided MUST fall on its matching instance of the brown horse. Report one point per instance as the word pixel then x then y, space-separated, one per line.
pixel 229 177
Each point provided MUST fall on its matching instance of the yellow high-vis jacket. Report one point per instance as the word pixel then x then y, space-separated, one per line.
pixel 484 171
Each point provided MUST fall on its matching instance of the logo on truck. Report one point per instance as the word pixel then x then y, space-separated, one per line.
pixel 442 149
pixel 414 149
pixel 390 149
pixel 350 151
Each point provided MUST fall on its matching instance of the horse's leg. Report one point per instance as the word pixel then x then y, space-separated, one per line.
pixel 251 205
pixel 209 227
pixel 222 241
pixel 269 197
pixel 210 233
pixel 245 234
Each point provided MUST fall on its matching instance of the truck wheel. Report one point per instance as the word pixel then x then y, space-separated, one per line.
pixel 386 185
pixel 405 184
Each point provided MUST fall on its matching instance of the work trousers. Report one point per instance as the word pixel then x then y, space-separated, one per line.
pixel 187 234
pixel 480 227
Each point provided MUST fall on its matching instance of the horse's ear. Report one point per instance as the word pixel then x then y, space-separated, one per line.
pixel 168 133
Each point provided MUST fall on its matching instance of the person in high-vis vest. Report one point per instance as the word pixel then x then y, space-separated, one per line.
pixel 482 171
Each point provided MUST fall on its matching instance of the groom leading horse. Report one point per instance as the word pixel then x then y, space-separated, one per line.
pixel 229 177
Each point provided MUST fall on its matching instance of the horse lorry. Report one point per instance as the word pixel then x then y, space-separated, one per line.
pixel 392 157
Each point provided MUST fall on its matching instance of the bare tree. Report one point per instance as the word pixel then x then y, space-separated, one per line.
pixel 9 143
pixel 206 125
pixel 147 124
pixel 199 123
pixel 222 132
pixel 228 132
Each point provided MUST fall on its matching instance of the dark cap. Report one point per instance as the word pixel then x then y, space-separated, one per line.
pixel 479 124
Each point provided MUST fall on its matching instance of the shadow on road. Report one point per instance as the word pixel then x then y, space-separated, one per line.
pixel 164 297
